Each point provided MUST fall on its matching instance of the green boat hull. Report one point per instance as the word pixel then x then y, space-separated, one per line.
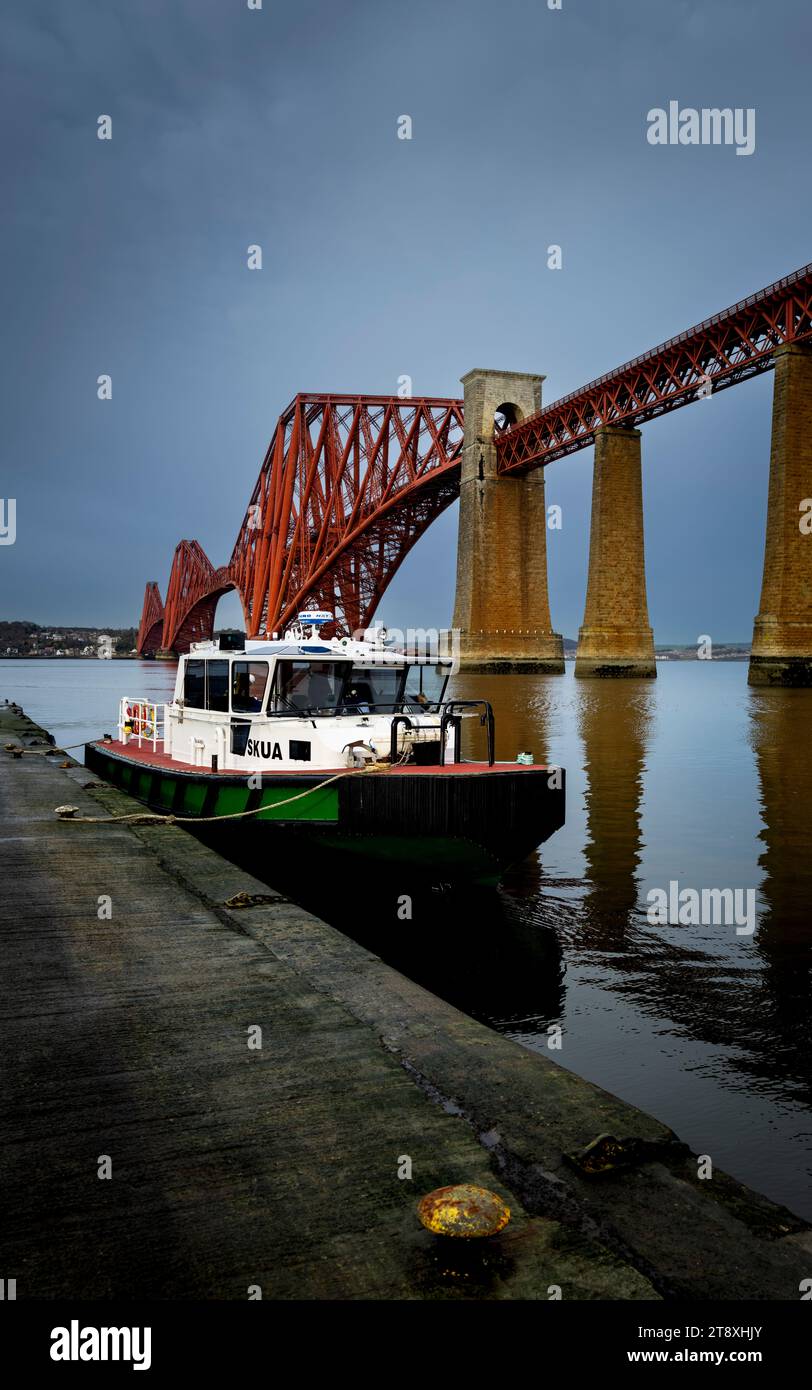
pixel 449 825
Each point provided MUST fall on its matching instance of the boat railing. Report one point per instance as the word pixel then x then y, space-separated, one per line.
pixel 141 720
pixel 352 708
pixel 451 714
pixel 393 739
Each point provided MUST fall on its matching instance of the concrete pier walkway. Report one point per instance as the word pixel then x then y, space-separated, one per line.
pixel 125 1045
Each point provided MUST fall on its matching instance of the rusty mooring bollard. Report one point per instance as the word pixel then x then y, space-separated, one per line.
pixel 463 1210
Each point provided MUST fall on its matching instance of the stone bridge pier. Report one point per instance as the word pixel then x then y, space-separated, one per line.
pixel 502 605
pixel 781 653
pixel 616 638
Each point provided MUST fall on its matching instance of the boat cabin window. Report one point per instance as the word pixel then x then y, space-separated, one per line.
pixel 217 686
pixel 248 682
pixel 373 689
pixel 194 685
pixel 308 685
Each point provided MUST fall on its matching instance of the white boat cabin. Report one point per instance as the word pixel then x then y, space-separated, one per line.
pixel 302 703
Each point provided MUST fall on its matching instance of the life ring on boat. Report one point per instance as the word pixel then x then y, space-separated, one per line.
pixel 145 725
pixel 138 723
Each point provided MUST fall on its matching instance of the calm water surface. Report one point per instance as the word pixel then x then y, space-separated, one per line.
pixel 693 777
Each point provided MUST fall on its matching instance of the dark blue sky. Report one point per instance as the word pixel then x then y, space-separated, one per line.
pixel 382 257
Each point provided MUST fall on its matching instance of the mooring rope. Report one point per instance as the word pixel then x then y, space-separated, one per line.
pixel 145 817
pixel 168 818
pixel 19 751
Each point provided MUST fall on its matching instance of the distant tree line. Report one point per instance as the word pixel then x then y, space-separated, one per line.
pixel 20 636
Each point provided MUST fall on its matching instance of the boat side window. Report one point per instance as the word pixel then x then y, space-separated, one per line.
pixel 248 682
pixel 308 685
pixel 217 685
pixel 371 689
pixel 194 685
pixel 425 685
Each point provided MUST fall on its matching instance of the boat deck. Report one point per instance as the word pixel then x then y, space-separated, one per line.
pixel 146 756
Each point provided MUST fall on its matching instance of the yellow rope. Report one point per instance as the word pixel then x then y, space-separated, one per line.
pixel 170 819
pixel 52 748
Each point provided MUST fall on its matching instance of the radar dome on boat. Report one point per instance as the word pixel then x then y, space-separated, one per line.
pixel 315 617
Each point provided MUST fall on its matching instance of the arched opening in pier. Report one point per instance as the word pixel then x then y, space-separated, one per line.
pixel 505 415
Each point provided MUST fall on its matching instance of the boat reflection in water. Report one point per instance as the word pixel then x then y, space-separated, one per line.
pixel 477 948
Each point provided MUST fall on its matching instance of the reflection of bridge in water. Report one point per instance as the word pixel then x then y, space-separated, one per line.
pixel 350 483
pixel 753 1003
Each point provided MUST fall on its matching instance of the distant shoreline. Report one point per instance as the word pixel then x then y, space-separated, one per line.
pixel 70 656
pixel 670 654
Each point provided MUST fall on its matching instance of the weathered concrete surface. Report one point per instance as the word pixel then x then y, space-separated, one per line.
pixel 230 1167
pixel 279 1168
pixel 781 653
pixel 696 1239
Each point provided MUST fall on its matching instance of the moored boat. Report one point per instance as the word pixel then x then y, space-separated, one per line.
pixel 335 744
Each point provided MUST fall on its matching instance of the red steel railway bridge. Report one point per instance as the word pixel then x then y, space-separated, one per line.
pixel 350 483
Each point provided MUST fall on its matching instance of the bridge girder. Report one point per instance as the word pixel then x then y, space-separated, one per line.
pixel 730 347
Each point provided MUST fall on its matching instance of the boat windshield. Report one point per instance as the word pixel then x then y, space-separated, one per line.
pixel 336 687
pixel 373 689
pixel 308 686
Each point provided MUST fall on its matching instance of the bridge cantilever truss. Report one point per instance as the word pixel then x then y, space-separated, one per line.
pixel 150 631
pixel 194 589
pixel 350 483
pixel 347 486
